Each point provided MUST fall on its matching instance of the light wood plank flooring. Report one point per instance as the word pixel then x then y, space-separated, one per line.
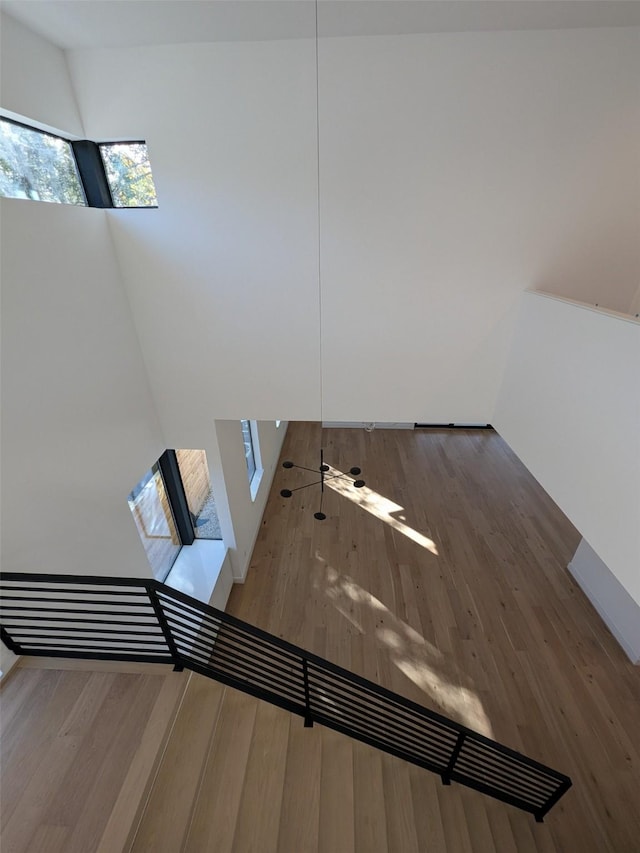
pixel 79 752
pixel 444 581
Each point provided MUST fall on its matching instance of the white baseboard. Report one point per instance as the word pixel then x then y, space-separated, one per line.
pixel 365 424
pixel 619 612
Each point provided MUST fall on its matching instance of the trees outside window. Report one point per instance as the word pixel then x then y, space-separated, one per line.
pixel 37 166
pixel 129 174
pixel 41 166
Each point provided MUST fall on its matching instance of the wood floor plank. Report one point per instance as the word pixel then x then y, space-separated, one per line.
pixel 336 821
pixel 300 815
pixel 96 729
pixel 369 808
pixel 218 800
pixel 73 719
pixel 50 839
pixel 426 811
pixel 501 831
pixel 126 814
pixel 456 830
pixel 167 816
pixel 89 819
pixel 401 824
pixel 14 701
pixel 44 713
pixel 475 808
pixel 19 830
pixel 258 822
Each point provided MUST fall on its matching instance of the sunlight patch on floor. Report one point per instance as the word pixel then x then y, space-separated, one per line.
pixel 414 657
pixel 379 506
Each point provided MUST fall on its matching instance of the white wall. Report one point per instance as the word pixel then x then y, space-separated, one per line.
pixel 79 423
pixel 456 170
pixel 34 79
pixel 619 611
pixel 79 427
pixel 223 276
pixel 247 513
pixel 570 408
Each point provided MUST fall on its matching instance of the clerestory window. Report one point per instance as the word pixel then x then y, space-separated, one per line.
pixel 41 166
pixel 37 166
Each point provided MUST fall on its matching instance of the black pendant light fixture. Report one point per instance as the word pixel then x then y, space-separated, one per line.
pixel 322 470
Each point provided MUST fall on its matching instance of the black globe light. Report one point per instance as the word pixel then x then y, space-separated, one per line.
pixel 322 470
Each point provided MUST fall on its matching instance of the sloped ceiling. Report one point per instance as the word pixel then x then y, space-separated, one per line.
pixel 105 23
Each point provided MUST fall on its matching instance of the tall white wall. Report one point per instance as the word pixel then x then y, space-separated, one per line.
pixel 223 276
pixel 570 408
pixel 79 424
pixel 456 170
pixel 34 79
pixel 79 427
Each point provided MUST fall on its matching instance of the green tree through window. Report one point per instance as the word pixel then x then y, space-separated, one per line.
pixel 38 166
pixel 129 174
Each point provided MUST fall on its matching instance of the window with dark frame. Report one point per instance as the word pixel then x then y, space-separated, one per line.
pixel 37 166
pixel 172 505
pixel 128 172
pixel 154 517
pixel 41 166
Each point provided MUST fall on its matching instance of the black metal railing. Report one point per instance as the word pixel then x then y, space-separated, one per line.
pixel 130 619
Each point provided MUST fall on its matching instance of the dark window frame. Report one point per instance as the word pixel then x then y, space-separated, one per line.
pixel 174 486
pixel 90 167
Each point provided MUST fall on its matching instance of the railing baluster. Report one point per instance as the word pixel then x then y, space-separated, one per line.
pixel 553 799
pixel 446 776
pixel 308 719
pixel 178 665
pixel 9 642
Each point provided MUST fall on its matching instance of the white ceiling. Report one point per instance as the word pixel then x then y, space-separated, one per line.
pixel 126 23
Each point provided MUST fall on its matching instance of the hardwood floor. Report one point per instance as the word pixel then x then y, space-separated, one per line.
pixel 79 751
pixel 445 581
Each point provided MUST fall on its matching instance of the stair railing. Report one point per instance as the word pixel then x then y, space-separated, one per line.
pixel 136 619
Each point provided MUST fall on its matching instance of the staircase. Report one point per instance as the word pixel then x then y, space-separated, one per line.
pixel 132 619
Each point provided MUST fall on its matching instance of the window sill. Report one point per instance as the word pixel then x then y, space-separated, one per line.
pixel 254 485
pixel 197 568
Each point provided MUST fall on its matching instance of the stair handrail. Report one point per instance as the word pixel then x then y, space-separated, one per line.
pixel 157 623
